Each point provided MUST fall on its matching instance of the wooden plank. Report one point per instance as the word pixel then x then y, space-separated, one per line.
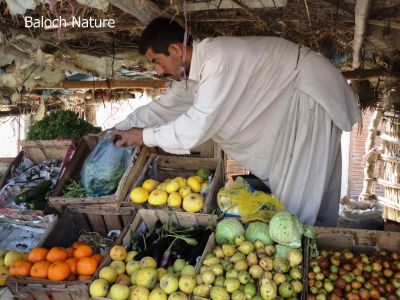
pixel 11 167
pixel 97 224
pixel 372 238
pixel 112 222
pixel 61 296
pixel 187 163
pixel 76 162
pixel 40 295
pixel 228 4
pixel 111 84
pixel 133 175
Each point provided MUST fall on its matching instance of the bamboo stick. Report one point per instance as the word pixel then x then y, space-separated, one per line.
pixel 361 12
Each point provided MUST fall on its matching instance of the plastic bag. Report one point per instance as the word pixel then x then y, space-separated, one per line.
pixel 240 200
pixel 104 167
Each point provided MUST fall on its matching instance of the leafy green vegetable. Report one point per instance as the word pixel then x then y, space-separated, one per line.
pixel 286 229
pixel 258 231
pixel 226 231
pixel 74 189
pixel 63 124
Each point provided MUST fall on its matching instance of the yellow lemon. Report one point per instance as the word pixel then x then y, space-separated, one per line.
pixel 199 178
pixel 194 183
pixel 172 186
pixel 181 181
pixel 174 200
pixel 139 195
pixel 185 190
pixel 158 197
pixel 150 184
pixel 193 202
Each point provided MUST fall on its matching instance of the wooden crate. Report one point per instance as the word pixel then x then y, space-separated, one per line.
pixel 208 149
pixel 357 239
pixel 170 166
pixel 85 147
pixel 38 151
pixel 145 220
pixel 67 230
pixel 41 150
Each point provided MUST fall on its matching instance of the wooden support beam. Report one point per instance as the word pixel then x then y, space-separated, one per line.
pixel 361 12
pixel 229 4
pixel 112 84
pixel 370 74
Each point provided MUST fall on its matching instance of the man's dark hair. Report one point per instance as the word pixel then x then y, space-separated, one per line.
pixel 159 34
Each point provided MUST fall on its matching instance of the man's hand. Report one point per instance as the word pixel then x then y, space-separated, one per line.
pixel 132 137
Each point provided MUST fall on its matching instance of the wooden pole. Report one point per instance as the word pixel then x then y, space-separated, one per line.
pixel 359 75
pixel 361 12
pixel 112 84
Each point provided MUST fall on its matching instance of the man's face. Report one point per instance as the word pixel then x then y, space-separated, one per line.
pixel 166 66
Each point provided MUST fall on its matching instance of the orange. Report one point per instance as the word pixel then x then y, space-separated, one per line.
pixel 39 269
pixel 70 251
pixel 83 251
pixel 58 270
pixel 37 254
pixel 72 262
pixel 56 253
pixel 77 243
pixel 20 267
pixel 84 277
pixel 97 257
pixel 87 266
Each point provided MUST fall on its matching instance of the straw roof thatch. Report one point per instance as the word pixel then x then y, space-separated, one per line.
pixel 360 36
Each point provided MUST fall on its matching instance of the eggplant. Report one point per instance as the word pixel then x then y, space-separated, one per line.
pixel 198 250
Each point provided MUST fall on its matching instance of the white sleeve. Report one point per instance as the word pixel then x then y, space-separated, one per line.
pixel 167 107
pixel 219 90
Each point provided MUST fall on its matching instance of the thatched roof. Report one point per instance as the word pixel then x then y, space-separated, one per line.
pixel 30 58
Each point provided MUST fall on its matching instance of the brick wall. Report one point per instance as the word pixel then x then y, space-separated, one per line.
pixel 357 152
pixel 234 168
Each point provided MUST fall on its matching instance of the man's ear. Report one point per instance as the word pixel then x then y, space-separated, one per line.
pixel 175 49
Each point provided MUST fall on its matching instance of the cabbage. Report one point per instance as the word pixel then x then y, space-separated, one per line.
pixel 258 231
pixel 283 250
pixel 226 231
pixel 286 229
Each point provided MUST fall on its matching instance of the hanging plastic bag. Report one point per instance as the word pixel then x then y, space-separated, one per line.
pixel 104 167
pixel 242 201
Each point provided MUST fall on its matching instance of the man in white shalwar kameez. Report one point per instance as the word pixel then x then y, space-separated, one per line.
pixel 276 109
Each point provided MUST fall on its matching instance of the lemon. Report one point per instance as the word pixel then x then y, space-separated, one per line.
pixel 158 197
pixel 150 184
pixel 194 183
pixel 172 186
pixel 185 190
pixel 139 195
pixel 181 181
pixel 193 202
pixel 174 200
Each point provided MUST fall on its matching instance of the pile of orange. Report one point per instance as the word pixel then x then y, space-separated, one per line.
pixel 57 263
